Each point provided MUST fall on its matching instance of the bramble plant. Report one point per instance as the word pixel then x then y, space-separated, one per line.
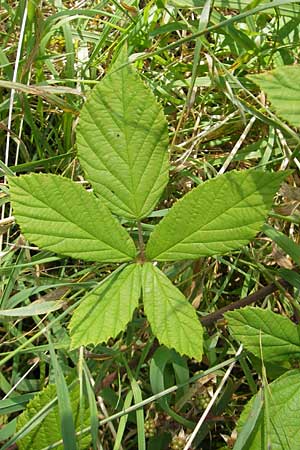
pixel 122 140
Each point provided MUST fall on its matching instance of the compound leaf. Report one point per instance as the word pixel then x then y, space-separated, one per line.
pixel 217 217
pixel 278 426
pixel 122 140
pixel 264 333
pixel 107 310
pixel 282 86
pixel 61 216
pixel 172 318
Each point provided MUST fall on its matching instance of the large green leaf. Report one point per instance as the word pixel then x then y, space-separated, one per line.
pixel 122 140
pixel 172 318
pixel 265 333
pixel 49 431
pixel 107 310
pixel 218 216
pixel 59 215
pixel 282 87
pixel 278 426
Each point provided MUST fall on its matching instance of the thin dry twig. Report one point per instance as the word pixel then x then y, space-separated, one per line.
pixel 257 296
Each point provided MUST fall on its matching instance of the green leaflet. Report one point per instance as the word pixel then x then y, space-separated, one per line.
pixel 122 140
pixel 265 333
pixel 172 318
pixel 282 87
pixel 218 216
pixel 61 216
pixel 106 311
pixel 279 422
pixel 48 431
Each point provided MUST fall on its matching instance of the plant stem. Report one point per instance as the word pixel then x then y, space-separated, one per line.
pixel 259 295
pixel 141 243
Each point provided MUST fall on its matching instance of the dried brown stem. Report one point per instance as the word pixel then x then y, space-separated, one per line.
pixel 257 296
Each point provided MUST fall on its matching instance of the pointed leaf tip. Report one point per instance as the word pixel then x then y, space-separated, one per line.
pixel 122 139
pixel 172 318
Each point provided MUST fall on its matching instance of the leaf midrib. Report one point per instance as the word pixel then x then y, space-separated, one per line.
pixel 216 216
pixel 81 227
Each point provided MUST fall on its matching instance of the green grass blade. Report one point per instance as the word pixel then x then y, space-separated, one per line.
pixel 253 417
pixel 64 404
pixel 93 407
pixel 137 394
pixel 284 242
pixel 123 422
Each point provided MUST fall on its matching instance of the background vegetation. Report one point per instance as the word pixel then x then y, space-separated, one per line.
pixel 196 57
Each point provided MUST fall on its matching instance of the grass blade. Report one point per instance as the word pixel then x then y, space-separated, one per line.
pixel 64 404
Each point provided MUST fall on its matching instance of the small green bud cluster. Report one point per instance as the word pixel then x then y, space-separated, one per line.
pixel 150 427
pixel 202 400
pixel 177 443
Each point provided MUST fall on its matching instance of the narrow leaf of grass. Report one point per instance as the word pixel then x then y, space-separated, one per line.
pixel 223 24
pixel 64 404
pixel 283 241
pixel 14 404
pixel 93 408
pixel 34 309
pixel 252 419
pixel 248 375
pixel 6 170
pixel 291 276
pixel 151 399
pixel 123 421
pixel 12 278
pixel 6 65
pixel 8 430
pixel 57 320
pixel 203 23
pixel 137 393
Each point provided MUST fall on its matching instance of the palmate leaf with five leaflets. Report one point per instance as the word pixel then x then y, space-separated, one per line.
pixel 172 318
pixel 59 215
pixel 122 140
pixel 107 310
pixel 217 217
